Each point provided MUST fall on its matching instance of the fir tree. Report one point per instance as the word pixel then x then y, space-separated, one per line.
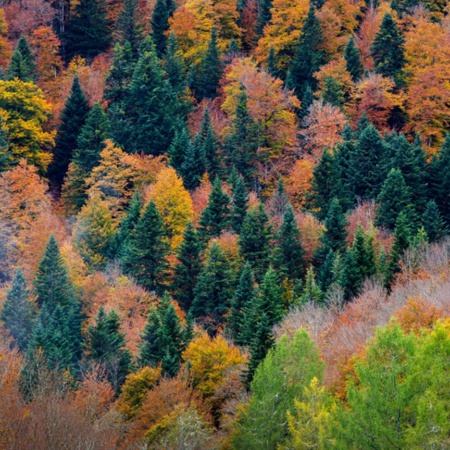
pixel 306 100
pixel 270 301
pixel 243 297
pixel 145 255
pixel 22 64
pixel 73 118
pixel 105 345
pixel 308 56
pixel 272 63
pixel 17 68
pixel 188 268
pixel 87 32
pixel 5 153
pixel 353 60
pixel 127 26
pixel 332 93
pixel 52 285
pixel 351 277
pixel 160 24
pixel 238 204
pixel 209 71
pixel 178 149
pixel 388 49
pixel 264 16
pixel 17 312
pixel 311 292
pixel 213 290
pixel 393 199
pixel 242 143
pixel 215 218
pixel 208 141
pixel 255 240
pixel 364 252
pixel 289 254
pixel 433 223
pixel 194 165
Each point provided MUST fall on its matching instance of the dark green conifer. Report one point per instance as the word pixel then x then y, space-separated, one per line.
pixel 311 292
pixel 194 165
pixel 105 345
pixel 264 16
pixel 332 93
pixel 207 139
pixel 17 68
pixel 353 60
pixel 238 204
pixel 178 149
pixel 73 118
pixel 160 24
pixel 22 64
pixel 215 218
pixel 128 28
pixel 433 223
pixel 188 268
pixel 87 32
pixel 5 154
pixel 394 197
pixel 17 312
pixel 255 240
pixel 364 252
pixel 272 63
pixel 388 49
pixel 351 276
pixel 145 255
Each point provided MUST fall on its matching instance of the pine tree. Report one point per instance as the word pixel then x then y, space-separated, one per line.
pixel 433 223
pixel 209 71
pixel 352 277
pixel 188 268
pixel 270 301
pixel 87 32
pixel 311 292
pixel 325 271
pixel 194 165
pixel 368 164
pixel 255 240
pixel 5 154
pixel 17 312
pixel 242 143
pixel 353 60
pixel 128 28
pixel 243 297
pixel 52 285
pixel 289 254
pixel 394 197
pixel 388 49
pixel 178 149
pixel 264 16
pixel 208 141
pixel 364 252
pixel 308 56
pixel 215 218
pixel 149 114
pixel 145 255
pixel 160 24
pixel 73 118
pixel 213 290
pixel 306 100
pixel 332 93
pixel 238 204
pixel 105 345
pixel 272 63
pixel 22 64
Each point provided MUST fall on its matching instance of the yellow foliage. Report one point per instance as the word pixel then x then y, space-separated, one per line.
pixel 173 202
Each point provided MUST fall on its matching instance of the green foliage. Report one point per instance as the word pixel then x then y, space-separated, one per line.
pixel 128 29
pixel 194 165
pixel 208 141
pixel 22 64
pixel 353 60
pixel 238 203
pixel 264 16
pixel 272 63
pixel 433 223
pixel 311 292
pixel 160 24
pixel 145 254
pixel 332 93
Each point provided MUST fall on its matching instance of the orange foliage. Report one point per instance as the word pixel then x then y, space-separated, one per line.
pixel 366 34
pixel 311 230
pixel 5 45
pixel 418 314
pixel 298 182
pixel 200 198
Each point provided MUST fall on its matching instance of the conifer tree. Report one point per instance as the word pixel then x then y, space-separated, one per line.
pixel 308 56
pixel 145 255
pixel 368 164
pixel 243 298
pixel 289 254
pixel 393 199
pixel 272 63
pixel 208 142
pixel 5 154
pixel 325 270
pixel 209 71
pixel 52 285
pixel 332 93
pixel 306 100
pixel 22 64
pixel 255 240
pixel 178 149
pixel 17 312
pixel 264 16
pixel 311 292
pixel 73 118
pixel 160 24
pixel 128 28
pixel 105 345
pixel 433 223
pixel 364 252
pixel 214 289
pixel 388 49
pixel 242 143
pixel 238 204
pixel 188 268
pixel 87 32
pixel 351 276
pixel 194 165
pixel 149 114
pixel 353 60
pixel 215 218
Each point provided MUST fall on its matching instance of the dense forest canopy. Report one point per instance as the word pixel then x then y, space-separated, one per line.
pixel 225 224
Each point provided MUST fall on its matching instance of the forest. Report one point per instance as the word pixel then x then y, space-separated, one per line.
pixel 224 224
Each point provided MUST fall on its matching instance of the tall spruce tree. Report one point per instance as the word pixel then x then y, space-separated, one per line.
pixel 213 290
pixel 160 24
pixel 87 31
pixel 311 292
pixel 272 64
pixel 308 56
pixel 433 223
pixel 194 164
pixel 128 28
pixel 332 93
pixel 17 312
pixel 289 254
pixel 145 255
pixel 238 204
pixel 188 268
pixel 5 153
pixel 255 240
pixel 353 60
pixel 73 118
pixel 215 218
pixel 264 16
pixel 105 345
pixel 388 49
pixel 178 148
pixel 208 72
pixel 207 139
pixel 22 64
